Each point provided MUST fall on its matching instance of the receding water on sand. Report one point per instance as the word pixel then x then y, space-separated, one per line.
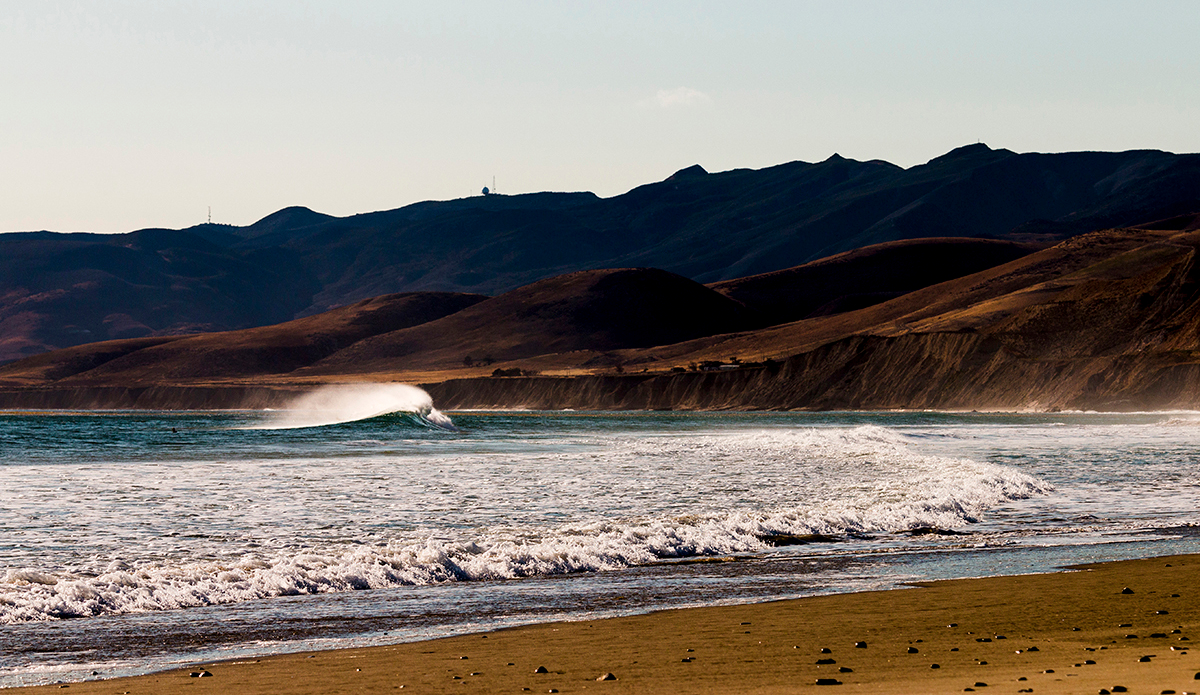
pixel 129 541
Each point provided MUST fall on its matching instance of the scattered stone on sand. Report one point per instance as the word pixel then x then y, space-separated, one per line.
pixel 845 669
pixel 912 650
pixel 541 669
pixel 828 681
pixel 1126 590
pixel 1120 689
pixel 980 684
pixel 686 660
pixel 1161 613
pixel 860 645
pixel 200 674
pixel 826 650
pixel 935 666
pixel 825 662
pixel 606 677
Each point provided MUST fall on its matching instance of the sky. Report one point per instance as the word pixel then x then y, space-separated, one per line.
pixel 126 114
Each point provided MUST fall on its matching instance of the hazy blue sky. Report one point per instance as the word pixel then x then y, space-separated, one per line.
pixel 127 114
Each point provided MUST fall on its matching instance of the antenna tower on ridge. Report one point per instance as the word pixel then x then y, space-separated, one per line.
pixel 210 214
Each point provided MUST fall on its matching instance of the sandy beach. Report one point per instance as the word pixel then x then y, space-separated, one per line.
pixel 1116 627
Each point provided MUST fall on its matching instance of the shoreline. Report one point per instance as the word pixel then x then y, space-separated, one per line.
pixel 1072 631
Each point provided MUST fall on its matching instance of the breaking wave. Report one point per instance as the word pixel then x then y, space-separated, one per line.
pixel 342 403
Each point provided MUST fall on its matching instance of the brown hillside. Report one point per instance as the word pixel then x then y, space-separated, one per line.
pixel 595 310
pixel 1108 320
pixel 254 352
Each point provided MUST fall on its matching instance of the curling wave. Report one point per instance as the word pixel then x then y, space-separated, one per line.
pixel 341 403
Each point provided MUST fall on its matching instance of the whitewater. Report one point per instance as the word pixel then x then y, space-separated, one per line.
pixel 363 515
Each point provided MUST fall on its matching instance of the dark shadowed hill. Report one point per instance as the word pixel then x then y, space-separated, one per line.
pixel 61 290
pixel 863 277
pixel 595 310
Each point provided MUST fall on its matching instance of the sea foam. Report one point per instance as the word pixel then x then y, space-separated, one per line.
pixel 835 481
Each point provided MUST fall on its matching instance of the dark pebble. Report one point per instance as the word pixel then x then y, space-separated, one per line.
pixel 1089 662
pixel 462 657
pixel 912 650
pixel 540 669
pixel 1126 590
pixel 825 662
pixel 860 645
pixel 983 639
pixel 981 685
pixel 1131 636
pixel 1158 635
pixel 828 681
pixel 1125 625
pixel 1120 689
pixel 1105 691
pixel 607 677
pixel 982 663
pixel 1144 660
pixel 686 660
pixel 952 625
pixel 826 650
pixel 1161 613
pixel 1167 692
pixel 935 666
pixel 845 669
pixel 1049 670
pixel 1032 649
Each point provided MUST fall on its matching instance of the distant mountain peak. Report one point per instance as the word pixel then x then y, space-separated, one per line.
pixel 688 172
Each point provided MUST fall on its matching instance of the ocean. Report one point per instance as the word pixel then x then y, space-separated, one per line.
pixel 135 541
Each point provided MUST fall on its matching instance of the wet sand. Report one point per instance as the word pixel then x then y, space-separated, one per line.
pixel 1102 628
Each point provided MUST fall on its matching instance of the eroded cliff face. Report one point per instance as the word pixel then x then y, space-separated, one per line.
pixel 929 371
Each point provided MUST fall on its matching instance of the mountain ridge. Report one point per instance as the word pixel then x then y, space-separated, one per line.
pixel 62 290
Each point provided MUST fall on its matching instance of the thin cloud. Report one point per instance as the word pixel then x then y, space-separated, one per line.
pixel 682 96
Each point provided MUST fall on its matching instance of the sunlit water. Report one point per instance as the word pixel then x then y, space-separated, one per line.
pixel 133 541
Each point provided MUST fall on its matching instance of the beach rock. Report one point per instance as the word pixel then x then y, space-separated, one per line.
pixel 540 669
pixel 980 684
pixel 828 681
pixel 860 645
pixel 825 662
pixel 912 650
pixel 1158 635
pixel 1126 590
pixel 845 669
pixel 935 666
pixel 200 674
pixel 1105 691
pixel 826 650
pixel 1120 689
pixel 606 677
